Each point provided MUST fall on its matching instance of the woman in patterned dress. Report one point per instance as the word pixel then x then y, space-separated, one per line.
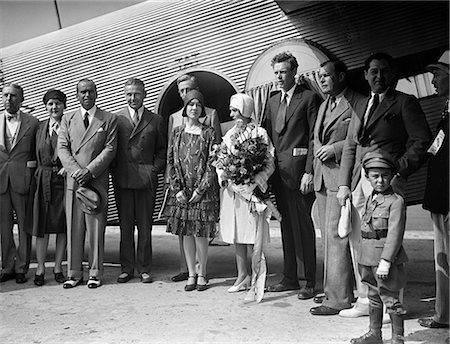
pixel 193 198
pixel 48 206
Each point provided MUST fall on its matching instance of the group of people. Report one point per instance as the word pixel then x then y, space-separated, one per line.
pixel 322 156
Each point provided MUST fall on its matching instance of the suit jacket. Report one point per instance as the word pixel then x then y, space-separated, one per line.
pixel 93 148
pixel 398 126
pixel 17 166
pixel 334 133
pixel 141 151
pixel 211 119
pixel 294 144
pixel 390 215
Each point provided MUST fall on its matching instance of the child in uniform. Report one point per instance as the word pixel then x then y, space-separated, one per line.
pixel 381 255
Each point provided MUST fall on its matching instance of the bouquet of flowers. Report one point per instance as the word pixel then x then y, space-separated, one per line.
pixel 241 161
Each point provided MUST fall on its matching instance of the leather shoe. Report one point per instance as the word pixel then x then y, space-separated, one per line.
pixel 324 310
pixel 191 286
pixel 202 287
pixel 182 276
pixel 244 285
pixel 370 337
pixel 93 282
pixel 7 277
pixel 20 278
pixel 146 278
pixel 306 293
pixel 59 277
pixel 72 283
pixel 431 323
pixel 281 287
pixel 124 277
pixel 319 298
pixel 39 280
pixel 358 310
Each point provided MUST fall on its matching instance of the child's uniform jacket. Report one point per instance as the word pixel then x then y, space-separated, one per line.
pixel 384 218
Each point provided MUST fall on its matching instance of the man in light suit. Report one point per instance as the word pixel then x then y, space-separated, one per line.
pixel 141 154
pixel 329 136
pixel 388 120
pixel 290 116
pixel 186 83
pixel 17 165
pixel 87 145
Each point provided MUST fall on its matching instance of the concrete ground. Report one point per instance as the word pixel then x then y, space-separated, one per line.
pixel 162 312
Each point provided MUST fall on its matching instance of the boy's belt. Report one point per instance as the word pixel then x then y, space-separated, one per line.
pixel 377 234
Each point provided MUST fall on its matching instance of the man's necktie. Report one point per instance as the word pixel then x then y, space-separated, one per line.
pixel 86 120
pixel 136 118
pixel 375 103
pixel 55 127
pixel 332 103
pixel 11 116
pixel 281 114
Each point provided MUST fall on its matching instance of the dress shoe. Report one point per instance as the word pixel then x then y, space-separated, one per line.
pixel 6 277
pixel 59 277
pixel 39 280
pixel 324 310
pixel 72 283
pixel 93 282
pixel 319 298
pixel 370 337
pixel 431 323
pixel 358 310
pixel 191 286
pixel 182 276
pixel 397 339
pixel 124 277
pixel 245 283
pixel 306 293
pixel 146 278
pixel 281 287
pixel 202 286
pixel 21 278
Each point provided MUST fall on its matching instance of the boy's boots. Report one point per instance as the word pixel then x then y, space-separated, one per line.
pixel 397 328
pixel 374 334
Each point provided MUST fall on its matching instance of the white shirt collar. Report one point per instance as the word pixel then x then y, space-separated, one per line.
pixel 140 111
pixel 380 95
pixel 18 117
pixel 91 111
pixel 289 94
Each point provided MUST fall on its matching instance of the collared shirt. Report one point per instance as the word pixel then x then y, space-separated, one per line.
pixel 140 111
pixel 381 96
pixel 13 124
pixel 51 126
pixel 289 94
pixel 91 113
pixel 340 96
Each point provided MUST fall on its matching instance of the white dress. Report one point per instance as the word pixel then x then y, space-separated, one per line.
pixel 238 223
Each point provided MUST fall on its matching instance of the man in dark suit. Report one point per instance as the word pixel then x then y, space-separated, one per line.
pixel 290 116
pixel 388 120
pixel 436 197
pixel 329 136
pixel 17 165
pixel 87 144
pixel 141 154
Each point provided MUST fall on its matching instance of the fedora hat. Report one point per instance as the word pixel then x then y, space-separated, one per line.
pixel 90 200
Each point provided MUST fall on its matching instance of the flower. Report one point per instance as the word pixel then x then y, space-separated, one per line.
pixel 247 156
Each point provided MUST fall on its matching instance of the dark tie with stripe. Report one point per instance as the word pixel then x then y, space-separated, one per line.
pixel 86 120
pixel 281 114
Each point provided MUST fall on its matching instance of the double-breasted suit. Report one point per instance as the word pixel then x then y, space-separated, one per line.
pixel 294 157
pixel 141 153
pixel 17 166
pixel 331 129
pixel 93 148
pixel 398 126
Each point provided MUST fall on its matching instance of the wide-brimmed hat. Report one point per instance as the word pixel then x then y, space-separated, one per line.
pixel 90 200
pixel 442 64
